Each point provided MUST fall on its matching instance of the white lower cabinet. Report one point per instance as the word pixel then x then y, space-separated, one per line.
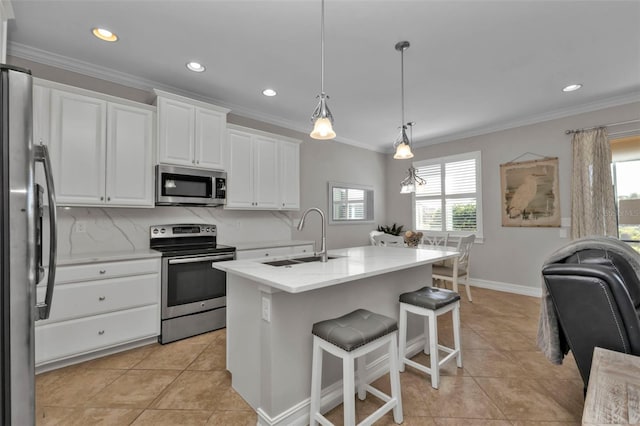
pixel 99 306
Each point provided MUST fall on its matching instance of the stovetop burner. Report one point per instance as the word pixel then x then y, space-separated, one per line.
pixel 189 239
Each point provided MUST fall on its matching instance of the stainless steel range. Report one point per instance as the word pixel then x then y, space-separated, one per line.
pixel 193 291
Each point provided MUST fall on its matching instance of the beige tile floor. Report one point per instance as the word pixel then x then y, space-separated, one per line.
pixel 505 380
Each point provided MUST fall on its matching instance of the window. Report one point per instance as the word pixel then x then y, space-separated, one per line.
pixel 626 162
pixel 451 200
pixel 350 203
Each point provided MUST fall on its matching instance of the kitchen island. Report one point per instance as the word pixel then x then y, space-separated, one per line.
pixel 271 309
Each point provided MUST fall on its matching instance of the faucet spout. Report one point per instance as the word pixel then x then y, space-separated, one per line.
pixel 323 242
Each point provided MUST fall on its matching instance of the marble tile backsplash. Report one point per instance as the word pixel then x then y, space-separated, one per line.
pixel 115 229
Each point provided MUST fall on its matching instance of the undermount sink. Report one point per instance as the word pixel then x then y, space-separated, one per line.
pixel 297 261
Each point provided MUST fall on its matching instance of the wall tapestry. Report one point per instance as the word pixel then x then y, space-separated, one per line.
pixel 530 195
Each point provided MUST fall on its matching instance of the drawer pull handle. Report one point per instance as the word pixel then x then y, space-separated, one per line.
pixel 101 332
pixel 103 271
pixel 101 298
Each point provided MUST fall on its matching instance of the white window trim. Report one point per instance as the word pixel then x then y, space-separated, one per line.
pixel 476 155
pixel 369 200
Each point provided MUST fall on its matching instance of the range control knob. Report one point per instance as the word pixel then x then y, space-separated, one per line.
pixel 162 231
pixel 155 231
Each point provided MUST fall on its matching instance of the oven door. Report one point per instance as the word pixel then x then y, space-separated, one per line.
pixel 191 284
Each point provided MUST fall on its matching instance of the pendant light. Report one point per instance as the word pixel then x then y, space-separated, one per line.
pixel 409 183
pixel 402 144
pixel 321 118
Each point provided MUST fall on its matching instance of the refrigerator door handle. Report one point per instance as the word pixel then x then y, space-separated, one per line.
pixel 43 309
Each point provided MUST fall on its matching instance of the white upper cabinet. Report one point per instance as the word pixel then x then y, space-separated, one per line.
pixel 191 133
pixel 101 147
pixel 129 150
pixel 289 175
pixel 77 148
pixel 176 123
pixel 264 171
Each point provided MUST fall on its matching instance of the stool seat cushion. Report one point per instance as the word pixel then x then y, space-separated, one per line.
pixel 355 329
pixel 430 298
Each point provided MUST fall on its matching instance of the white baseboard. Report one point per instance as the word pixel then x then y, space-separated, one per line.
pixel 298 415
pixel 507 287
pixel 75 359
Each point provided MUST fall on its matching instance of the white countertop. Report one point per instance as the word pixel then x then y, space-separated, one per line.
pixel 354 263
pixel 268 244
pixel 108 256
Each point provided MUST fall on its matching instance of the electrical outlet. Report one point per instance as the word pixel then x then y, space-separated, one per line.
pixel 266 309
pixel 80 226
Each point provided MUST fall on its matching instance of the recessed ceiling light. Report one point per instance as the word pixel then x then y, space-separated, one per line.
pixel 104 34
pixel 572 87
pixel 195 66
pixel 269 92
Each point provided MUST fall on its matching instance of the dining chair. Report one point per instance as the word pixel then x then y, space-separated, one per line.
pixel 460 268
pixel 387 240
pixel 436 239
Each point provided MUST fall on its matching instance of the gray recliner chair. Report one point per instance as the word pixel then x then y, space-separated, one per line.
pixel 593 290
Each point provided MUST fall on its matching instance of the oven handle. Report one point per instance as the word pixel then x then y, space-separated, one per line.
pixel 202 259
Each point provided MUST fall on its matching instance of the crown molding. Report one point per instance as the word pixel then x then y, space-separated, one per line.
pixel 129 80
pixel 535 119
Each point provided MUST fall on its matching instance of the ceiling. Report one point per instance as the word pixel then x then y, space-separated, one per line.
pixel 473 66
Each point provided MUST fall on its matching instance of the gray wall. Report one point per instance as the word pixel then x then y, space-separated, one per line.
pixel 508 255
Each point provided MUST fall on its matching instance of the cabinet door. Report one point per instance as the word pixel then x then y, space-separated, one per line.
pixel 210 139
pixel 266 179
pixel 129 171
pixel 289 175
pixel 78 148
pixel 175 132
pixel 240 173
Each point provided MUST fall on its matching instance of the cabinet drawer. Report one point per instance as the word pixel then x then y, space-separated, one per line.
pixel 97 297
pixel 70 338
pixel 75 273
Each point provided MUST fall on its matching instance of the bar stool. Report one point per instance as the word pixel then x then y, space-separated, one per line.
pixel 430 302
pixel 351 337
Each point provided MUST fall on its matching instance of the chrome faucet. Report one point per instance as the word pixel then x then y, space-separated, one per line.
pixel 323 243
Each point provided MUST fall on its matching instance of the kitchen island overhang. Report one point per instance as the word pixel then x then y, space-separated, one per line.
pixel 270 312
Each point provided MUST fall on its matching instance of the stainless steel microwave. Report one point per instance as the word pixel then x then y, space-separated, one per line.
pixel 178 186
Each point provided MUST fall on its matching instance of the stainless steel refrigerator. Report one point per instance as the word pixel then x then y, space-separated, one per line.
pixel 21 250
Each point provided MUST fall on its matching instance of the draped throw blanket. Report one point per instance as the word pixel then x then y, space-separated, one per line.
pixel 593 209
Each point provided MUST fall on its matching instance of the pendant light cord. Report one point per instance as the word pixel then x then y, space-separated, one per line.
pixel 322 50
pixel 401 84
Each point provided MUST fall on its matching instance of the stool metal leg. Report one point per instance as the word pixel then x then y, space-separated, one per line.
pixel 403 337
pixel 316 381
pixel 456 333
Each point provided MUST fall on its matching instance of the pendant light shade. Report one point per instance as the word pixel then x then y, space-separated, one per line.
pixel 409 183
pixel 402 145
pixel 321 118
